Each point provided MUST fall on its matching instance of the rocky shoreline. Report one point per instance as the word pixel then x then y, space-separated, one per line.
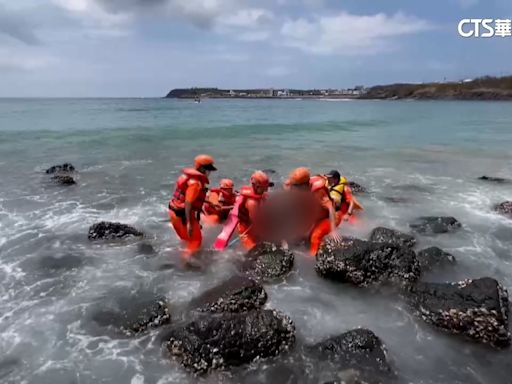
pixel 484 88
pixel 232 324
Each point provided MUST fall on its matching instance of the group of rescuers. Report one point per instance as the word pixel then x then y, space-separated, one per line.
pixel 192 204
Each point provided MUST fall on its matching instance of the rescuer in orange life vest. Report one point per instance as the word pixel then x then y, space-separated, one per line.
pixel 187 202
pixel 219 202
pixel 253 196
pixel 325 220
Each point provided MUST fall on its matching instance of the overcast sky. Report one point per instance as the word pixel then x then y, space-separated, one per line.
pixel 146 47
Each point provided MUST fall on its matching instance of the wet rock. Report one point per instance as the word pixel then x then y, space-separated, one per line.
pixel 231 339
pixel 9 365
pixel 166 267
pixel 146 249
pixel 267 262
pixel 66 262
pixel 432 257
pixel 498 180
pixel 363 262
pixel 358 354
pixel 435 224
pixel 504 208
pixel 269 171
pixel 132 313
pixel 237 294
pixel 396 199
pixel 356 188
pixel 66 167
pixel 412 188
pixel 392 236
pixel 63 180
pixel 476 308
pixel 109 231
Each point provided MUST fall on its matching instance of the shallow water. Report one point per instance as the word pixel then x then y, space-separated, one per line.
pixel 416 158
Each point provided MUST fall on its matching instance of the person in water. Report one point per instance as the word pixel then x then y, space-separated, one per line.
pixel 324 219
pixel 340 194
pixel 219 202
pixel 253 197
pixel 187 202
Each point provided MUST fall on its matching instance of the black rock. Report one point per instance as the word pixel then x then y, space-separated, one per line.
pixel 432 257
pixel 412 188
pixel 9 365
pixel 63 180
pixel 132 313
pixel 109 231
pixel 237 294
pixel 504 208
pixel 356 188
pixel 435 224
pixel 267 262
pixel 66 262
pixel 363 263
pixel 476 308
pixel 492 179
pixel 269 171
pixel 392 236
pixel 66 167
pixel 358 350
pixel 146 249
pixel 396 199
pixel 231 339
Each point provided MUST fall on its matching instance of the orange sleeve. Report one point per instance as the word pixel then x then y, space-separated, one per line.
pixel 252 208
pixel 323 198
pixel 348 193
pixel 213 197
pixel 193 191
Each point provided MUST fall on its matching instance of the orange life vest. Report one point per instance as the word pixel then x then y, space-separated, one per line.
pixel 318 183
pixel 226 199
pixel 177 201
pixel 247 193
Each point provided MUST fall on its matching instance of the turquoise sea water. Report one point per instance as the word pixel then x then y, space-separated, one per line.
pixel 424 156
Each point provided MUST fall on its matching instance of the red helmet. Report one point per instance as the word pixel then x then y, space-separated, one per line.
pixel 299 176
pixel 227 184
pixel 205 161
pixel 261 178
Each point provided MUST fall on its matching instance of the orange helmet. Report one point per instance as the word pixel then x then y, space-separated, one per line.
pixel 299 176
pixel 205 161
pixel 261 178
pixel 227 184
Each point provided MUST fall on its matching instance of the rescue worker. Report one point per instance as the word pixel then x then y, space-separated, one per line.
pixel 325 216
pixel 219 202
pixel 248 210
pixel 340 194
pixel 187 202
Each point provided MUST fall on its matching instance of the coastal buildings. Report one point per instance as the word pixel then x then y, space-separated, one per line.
pixel 266 93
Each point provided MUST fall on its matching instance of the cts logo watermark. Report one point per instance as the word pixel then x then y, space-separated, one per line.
pixel 485 28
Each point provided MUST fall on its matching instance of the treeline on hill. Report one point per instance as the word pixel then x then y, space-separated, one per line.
pixel 483 88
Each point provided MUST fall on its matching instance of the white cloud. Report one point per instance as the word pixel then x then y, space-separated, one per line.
pixel 15 25
pixel 252 36
pixel 248 18
pixel 24 60
pixel 96 20
pixel 249 25
pixel 348 34
pixel 230 17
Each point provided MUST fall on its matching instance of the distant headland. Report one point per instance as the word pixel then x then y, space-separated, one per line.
pixel 263 93
pixel 482 88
